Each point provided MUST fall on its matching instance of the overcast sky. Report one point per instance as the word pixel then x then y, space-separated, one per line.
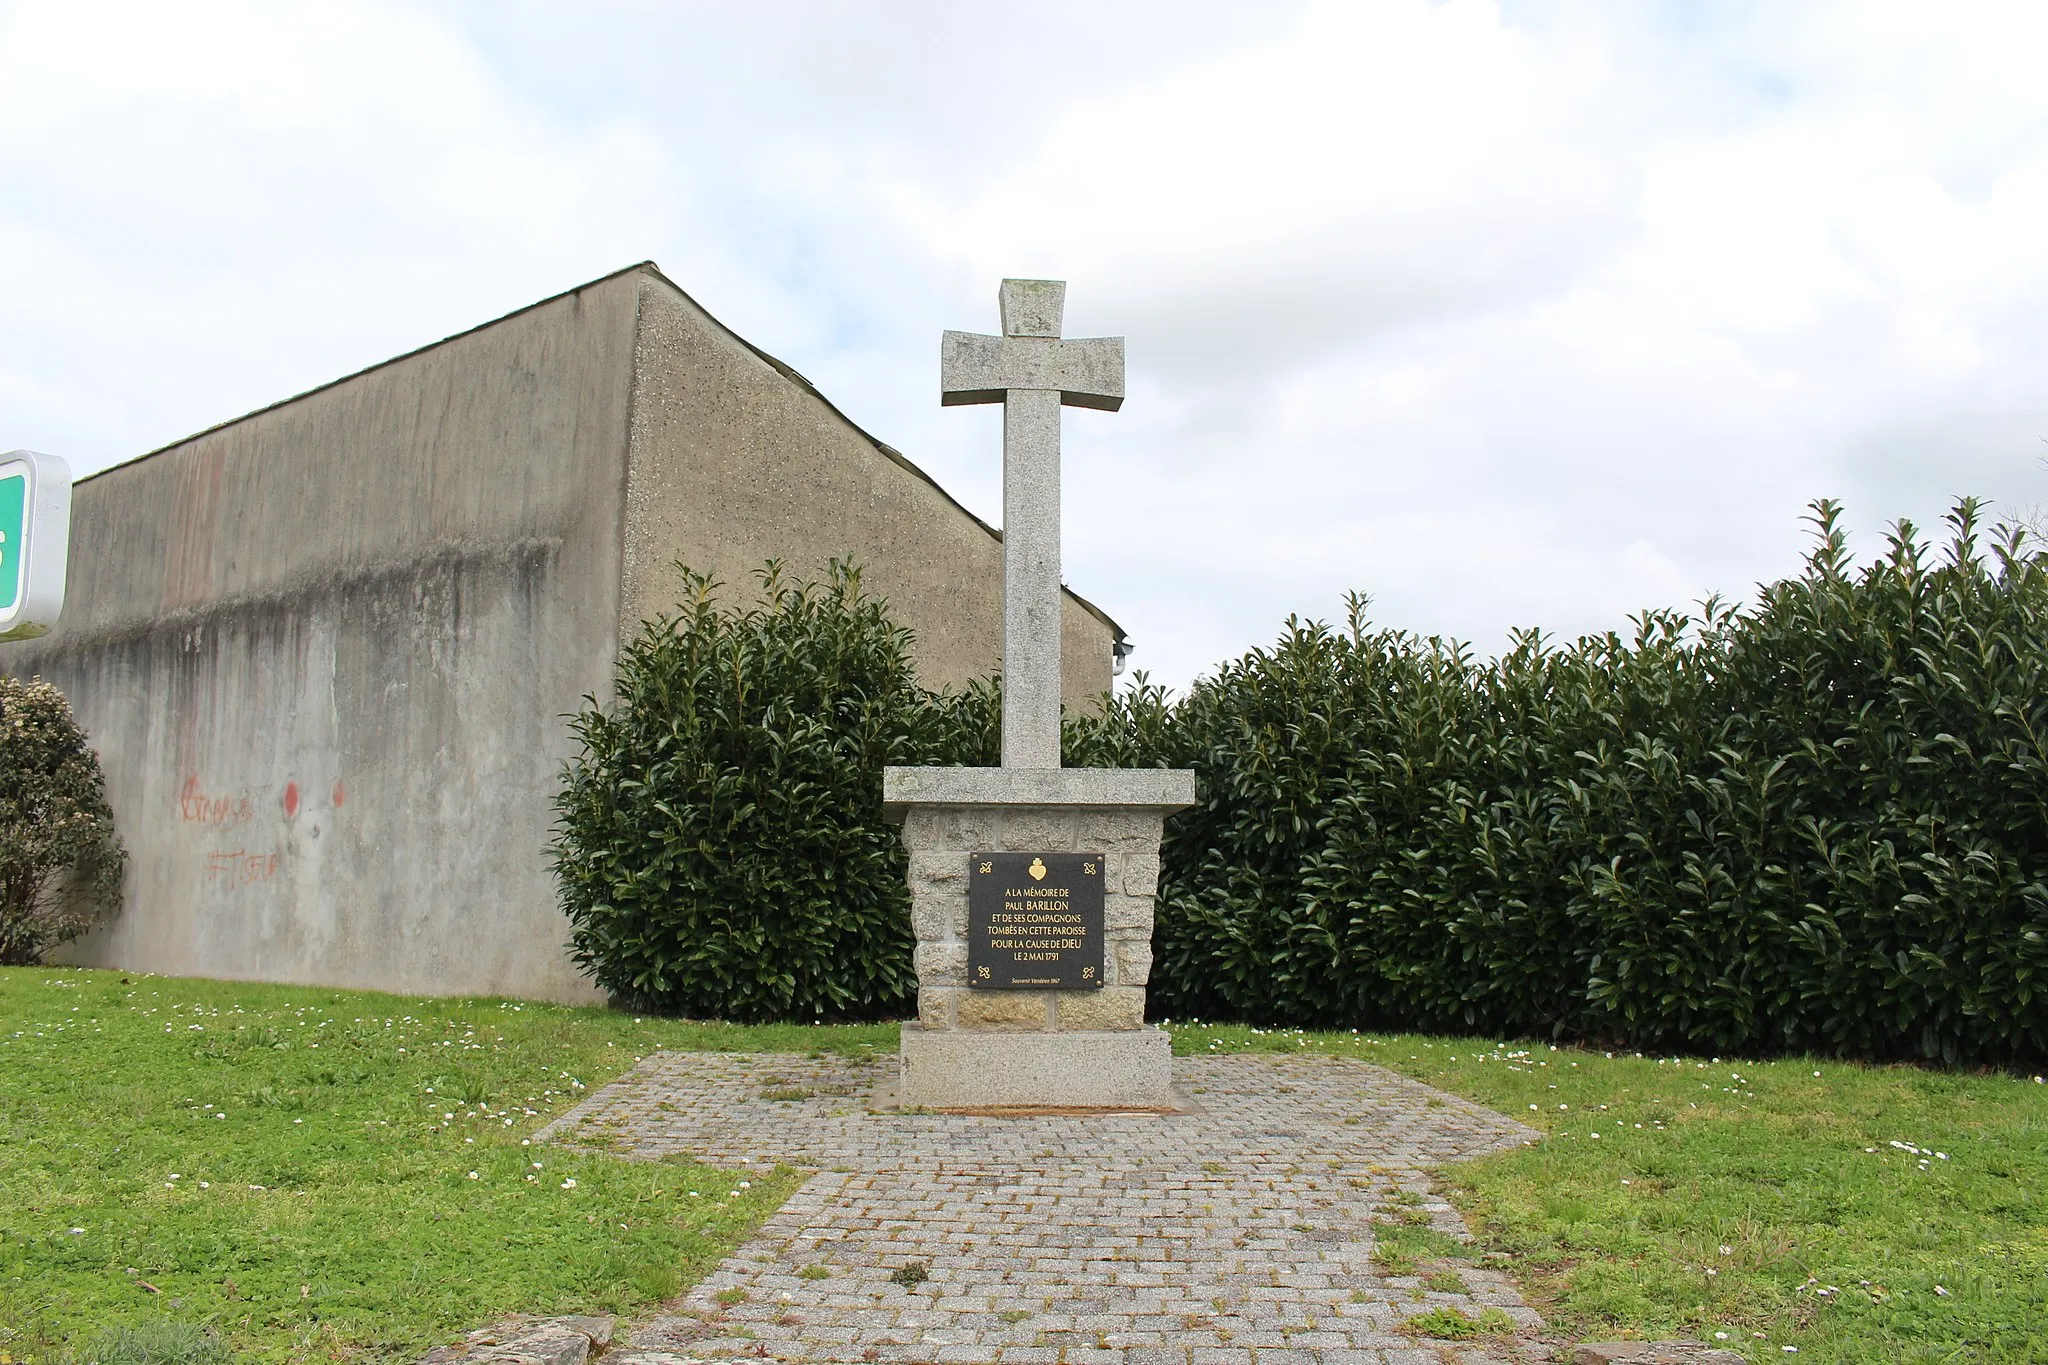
pixel 1504 314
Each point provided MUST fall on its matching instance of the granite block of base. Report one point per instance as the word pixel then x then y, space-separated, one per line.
pixel 1024 1049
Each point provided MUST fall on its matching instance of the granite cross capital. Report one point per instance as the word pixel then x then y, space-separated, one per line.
pixel 1086 372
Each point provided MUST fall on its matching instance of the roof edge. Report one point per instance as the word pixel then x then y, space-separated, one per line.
pixel 372 369
pixel 791 374
pixel 781 367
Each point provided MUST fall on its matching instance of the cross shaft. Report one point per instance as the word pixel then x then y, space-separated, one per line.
pixel 1032 372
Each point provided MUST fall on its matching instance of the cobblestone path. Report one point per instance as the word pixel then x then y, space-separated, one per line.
pixel 1238 1234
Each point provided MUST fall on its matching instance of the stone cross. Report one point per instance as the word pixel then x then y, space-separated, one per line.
pixel 1031 372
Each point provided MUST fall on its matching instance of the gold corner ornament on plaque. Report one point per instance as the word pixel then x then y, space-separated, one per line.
pixel 1034 921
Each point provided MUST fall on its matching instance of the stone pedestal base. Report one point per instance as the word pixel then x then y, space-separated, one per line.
pixel 957 1069
pixel 1021 1049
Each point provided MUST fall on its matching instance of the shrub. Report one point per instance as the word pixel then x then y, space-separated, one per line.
pixel 720 844
pixel 1818 824
pixel 60 859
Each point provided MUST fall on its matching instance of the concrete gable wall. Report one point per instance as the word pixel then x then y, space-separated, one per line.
pixel 733 463
pixel 495 435
pixel 324 652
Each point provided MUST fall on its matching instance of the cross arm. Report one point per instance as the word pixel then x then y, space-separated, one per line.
pixel 1087 371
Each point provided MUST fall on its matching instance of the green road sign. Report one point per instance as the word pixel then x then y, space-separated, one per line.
pixel 13 533
pixel 35 542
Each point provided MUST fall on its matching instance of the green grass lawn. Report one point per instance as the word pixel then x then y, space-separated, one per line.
pixel 1855 1213
pixel 319 1173
pixel 292 1167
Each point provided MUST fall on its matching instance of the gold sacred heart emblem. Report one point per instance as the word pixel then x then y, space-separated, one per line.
pixel 1037 869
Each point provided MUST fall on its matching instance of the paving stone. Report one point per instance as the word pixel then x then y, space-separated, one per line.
pixel 1127 1239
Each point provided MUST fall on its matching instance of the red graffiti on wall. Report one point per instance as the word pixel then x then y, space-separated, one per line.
pixel 241 869
pixel 291 799
pixel 196 806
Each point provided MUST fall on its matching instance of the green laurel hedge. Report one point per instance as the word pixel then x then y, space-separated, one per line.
pixel 719 843
pixel 1818 823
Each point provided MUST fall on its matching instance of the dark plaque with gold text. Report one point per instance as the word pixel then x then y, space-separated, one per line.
pixel 1034 921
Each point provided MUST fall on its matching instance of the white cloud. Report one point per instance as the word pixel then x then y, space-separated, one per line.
pixel 205 207
pixel 1380 166
pixel 1534 315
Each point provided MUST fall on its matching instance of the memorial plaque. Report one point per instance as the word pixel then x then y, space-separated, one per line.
pixel 1034 921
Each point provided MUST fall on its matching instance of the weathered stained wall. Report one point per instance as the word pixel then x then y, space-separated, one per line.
pixel 735 462
pixel 324 650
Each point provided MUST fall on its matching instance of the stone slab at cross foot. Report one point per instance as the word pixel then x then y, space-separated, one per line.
pixel 1076 1036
